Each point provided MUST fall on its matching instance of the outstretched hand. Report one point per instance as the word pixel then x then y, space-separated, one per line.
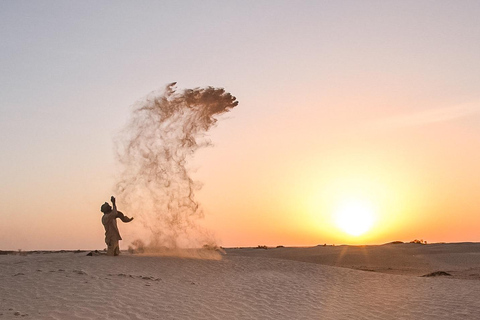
pixel 112 198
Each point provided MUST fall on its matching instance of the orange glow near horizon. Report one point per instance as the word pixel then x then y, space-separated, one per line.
pixel 298 205
pixel 358 203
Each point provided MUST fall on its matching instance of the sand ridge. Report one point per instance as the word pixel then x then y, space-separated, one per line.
pixel 461 260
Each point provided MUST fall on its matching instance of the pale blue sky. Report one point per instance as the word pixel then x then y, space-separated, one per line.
pixel 306 74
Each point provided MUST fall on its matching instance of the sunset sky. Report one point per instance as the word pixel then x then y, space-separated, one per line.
pixel 370 105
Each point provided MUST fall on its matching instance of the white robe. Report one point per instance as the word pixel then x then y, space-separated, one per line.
pixel 109 221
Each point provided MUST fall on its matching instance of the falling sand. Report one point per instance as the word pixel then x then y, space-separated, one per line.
pixel 165 131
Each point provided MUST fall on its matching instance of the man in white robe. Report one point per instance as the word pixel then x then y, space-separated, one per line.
pixel 109 221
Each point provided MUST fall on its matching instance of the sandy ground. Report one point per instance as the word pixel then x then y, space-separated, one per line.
pixel 280 283
pixel 461 260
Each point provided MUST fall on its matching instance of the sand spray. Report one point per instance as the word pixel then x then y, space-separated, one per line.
pixel 166 128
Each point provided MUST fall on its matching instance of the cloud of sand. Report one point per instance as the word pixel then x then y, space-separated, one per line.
pixel 207 252
pixel 165 130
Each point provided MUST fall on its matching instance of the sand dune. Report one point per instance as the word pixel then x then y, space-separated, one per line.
pixel 245 284
pixel 461 260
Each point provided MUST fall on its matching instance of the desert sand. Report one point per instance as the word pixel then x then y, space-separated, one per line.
pixel 324 282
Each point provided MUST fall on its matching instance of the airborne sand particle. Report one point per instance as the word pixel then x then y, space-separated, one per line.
pixel 164 132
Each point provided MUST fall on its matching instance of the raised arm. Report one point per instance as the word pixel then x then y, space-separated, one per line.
pixel 123 217
pixel 112 198
pixel 119 214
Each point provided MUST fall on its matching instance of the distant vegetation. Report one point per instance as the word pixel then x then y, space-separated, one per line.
pixel 416 241
pixel 421 241
pixel 261 247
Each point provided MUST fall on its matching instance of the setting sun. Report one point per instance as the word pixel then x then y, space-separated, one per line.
pixel 354 217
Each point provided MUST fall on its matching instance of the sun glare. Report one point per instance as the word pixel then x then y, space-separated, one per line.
pixel 354 217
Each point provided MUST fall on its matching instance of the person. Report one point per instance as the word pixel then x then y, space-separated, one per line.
pixel 109 221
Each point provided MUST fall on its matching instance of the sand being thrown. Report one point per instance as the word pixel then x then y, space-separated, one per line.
pixel 165 130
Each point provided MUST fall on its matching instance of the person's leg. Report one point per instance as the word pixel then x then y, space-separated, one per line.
pixel 111 249
pixel 116 251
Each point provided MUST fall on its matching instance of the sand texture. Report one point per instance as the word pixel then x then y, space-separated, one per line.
pixel 461 260
pixel 244 284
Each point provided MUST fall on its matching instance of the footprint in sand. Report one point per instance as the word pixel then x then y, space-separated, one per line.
pixel 80 272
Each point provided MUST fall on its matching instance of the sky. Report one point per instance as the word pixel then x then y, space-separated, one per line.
pixel 362 104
